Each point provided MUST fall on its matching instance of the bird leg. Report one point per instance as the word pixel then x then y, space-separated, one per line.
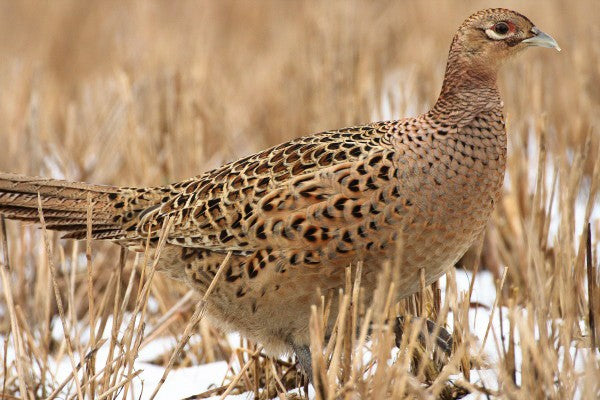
pixel 443 338
pixel 304 359
pixel 443 341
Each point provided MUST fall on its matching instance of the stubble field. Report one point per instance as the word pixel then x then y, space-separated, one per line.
pixel 147 93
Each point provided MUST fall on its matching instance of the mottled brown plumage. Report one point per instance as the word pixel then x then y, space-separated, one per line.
pixel 295 215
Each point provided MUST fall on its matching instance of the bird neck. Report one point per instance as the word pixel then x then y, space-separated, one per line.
pixel 470 82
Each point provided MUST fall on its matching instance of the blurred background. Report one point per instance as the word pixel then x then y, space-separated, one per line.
pixel 144 93
pixel 149 92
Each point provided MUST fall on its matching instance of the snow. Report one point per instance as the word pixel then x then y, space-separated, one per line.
pixel 183 382
pixel 188 381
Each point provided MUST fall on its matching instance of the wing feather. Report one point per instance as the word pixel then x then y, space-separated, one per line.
pixel 278 198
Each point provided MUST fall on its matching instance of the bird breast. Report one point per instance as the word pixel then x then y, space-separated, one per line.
pixel 453 178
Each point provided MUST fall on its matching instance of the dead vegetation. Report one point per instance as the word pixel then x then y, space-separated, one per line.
pixel 146 93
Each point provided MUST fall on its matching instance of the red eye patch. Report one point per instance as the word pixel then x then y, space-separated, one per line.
pixel 504 27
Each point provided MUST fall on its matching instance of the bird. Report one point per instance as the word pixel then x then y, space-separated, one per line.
pixel 288 220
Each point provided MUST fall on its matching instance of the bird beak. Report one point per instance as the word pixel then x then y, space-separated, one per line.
pixel 541 39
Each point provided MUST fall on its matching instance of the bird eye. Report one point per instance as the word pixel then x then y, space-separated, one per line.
pixel 501 28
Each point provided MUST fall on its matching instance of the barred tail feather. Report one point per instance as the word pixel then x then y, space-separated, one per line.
pixel 64 205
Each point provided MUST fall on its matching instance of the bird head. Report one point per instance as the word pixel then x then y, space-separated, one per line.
pixel 493 35
pixel 484 41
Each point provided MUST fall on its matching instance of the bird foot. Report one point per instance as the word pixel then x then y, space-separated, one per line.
pixel 443 338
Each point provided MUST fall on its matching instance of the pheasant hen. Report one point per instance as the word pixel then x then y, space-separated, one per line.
pixel 295 215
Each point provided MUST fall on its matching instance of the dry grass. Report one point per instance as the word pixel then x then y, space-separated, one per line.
pixel 148 93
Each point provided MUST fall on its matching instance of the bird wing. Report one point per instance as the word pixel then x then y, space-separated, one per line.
pixel 292 195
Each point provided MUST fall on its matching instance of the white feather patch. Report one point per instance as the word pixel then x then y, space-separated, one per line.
pixel 496 36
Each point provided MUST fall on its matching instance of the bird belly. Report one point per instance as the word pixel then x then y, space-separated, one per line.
pixel 452 211
pixel 432 221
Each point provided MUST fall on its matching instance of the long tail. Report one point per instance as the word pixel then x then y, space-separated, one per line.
pixel 65 205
